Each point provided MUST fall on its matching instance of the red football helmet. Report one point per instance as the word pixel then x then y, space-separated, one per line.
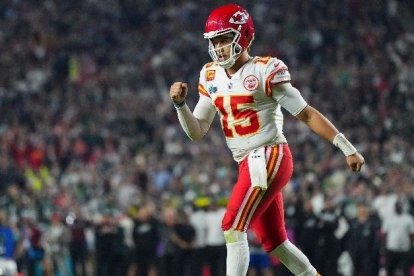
pixel 230 18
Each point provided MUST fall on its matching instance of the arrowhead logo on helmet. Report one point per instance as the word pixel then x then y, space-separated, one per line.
pixel 239 17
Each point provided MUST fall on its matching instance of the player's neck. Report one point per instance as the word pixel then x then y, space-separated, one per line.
pixel 243 59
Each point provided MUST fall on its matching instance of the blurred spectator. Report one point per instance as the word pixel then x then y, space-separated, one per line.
pixel 166 249
pixel 56 243
pixel 327 246
pixel 177 240
pixel 146 238
pixel 307 232
pixel 363 242
pixel 7 237
pixel 215 243
pixel 399 236
pixel 126 223
pixel 8 265
pixel 110 247
pixel 35 252
pixel 78 247
pixel 197 219
pixel 183 238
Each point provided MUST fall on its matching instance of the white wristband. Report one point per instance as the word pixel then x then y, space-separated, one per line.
pixel 343 144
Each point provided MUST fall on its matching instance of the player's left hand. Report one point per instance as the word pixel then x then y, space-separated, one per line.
pixel 355 161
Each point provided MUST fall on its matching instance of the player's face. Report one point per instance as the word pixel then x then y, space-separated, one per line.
pixel 222 45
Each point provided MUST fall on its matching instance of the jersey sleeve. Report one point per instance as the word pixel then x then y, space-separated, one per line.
pixel 205 75
pixel 289 98
pixel 276 73
pixel 278 86
pixel 204 109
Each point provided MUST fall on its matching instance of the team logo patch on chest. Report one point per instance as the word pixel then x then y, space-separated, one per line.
pixel 251 82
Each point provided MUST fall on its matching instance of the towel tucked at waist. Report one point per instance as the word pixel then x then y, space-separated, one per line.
pixel 257 168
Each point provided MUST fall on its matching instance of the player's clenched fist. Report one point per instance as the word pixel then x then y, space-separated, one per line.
pixel 355 161
pixel 178 92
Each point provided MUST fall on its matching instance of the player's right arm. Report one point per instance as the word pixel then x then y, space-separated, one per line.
pixel 195 124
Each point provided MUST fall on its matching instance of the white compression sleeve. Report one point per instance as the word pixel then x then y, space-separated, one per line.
pixel 189 123
pixel 289 98
pixel 196 124
pixel 294 259
pixel 238 255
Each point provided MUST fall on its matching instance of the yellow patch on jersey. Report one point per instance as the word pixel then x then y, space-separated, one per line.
pixel 210 75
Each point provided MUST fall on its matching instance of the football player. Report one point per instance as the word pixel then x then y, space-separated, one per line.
pixel 248 93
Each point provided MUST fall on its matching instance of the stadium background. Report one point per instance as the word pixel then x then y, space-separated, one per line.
pixel 88 136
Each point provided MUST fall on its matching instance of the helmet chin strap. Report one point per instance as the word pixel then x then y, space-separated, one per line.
pixel 235 53
pixel 229 63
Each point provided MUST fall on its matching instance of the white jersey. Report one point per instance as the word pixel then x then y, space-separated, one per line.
pixel 398 230
pixel 249 108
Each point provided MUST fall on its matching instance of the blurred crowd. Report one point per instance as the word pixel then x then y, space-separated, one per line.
pixel 95 169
